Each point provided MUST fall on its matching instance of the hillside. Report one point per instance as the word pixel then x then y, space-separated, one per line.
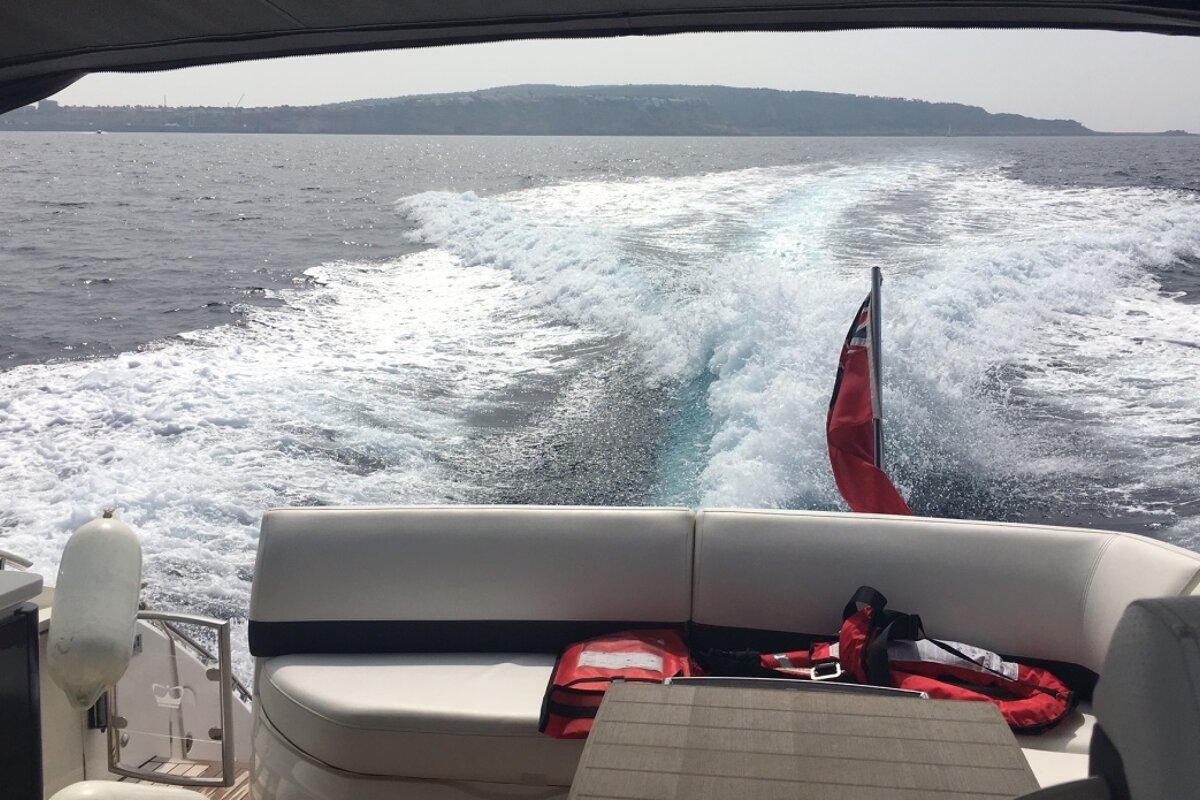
pixel 559 110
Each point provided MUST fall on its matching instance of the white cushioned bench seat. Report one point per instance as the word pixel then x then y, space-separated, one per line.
pixel 1061 754
pixel 453 716
pixel 1030 591
pixel 1072 735
pixel 369 580
pixel 1050 768
pixel 1021 590
pixel 407 650
pixel 416 643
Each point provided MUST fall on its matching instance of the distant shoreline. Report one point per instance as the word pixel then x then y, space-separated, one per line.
pixel 676 111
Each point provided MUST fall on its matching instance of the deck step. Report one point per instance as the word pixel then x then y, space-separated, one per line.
pixel 240 790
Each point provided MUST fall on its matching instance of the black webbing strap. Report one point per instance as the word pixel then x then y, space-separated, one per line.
pixel 569 712
pixel 738 663
pixel 899 627
pixel 895 627
pixel 864 596
pixel 889 626
pixel 883 627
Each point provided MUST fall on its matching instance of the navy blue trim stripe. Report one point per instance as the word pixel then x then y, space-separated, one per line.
pixel 426 636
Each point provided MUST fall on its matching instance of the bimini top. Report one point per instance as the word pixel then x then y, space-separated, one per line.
pixel 45 45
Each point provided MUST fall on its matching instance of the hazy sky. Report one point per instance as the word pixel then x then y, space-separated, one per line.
pixel 1107 81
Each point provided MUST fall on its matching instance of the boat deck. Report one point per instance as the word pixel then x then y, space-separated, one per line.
pixel 240 790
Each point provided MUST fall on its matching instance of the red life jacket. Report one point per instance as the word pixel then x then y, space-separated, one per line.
pixel 819 663
pixel 586 669
pixel 888 648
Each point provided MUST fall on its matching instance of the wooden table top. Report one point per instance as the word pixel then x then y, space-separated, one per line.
pixel 653 742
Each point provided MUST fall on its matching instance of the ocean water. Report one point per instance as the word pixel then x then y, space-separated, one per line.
pixel 196 328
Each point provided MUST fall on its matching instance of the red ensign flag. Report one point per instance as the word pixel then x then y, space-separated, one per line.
pixel 851 426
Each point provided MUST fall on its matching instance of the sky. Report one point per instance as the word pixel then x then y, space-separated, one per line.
pixel 1107 81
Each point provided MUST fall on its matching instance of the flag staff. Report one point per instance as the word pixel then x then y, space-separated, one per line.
pixel 876 354
pixel 854 425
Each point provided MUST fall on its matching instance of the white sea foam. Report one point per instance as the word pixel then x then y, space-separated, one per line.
pixel 354 394
pixel 1025 341
pixel 996 291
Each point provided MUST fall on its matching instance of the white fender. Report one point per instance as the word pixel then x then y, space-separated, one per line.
pixel 111 790
pixel 95 609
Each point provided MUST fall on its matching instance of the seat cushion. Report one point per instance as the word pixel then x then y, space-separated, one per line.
pixel 471 717
pixel 976 582
pixel 1148 699
pixel 1051 769
pixel 1072 735
pixel 1060 755
pixel 507 563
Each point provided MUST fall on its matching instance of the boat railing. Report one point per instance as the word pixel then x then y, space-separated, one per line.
pixel 10 560
pixel 221 674
pixel 173 630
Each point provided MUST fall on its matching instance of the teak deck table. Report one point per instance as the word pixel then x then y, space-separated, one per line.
pixel 690 742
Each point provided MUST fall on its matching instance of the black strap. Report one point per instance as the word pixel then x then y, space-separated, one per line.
pixel 736 663
pixel 544 714
pixel 884 626
pixel 895 626
pixel 570 712
pixel 552 706
pixel 601 684
pixel 864 596
pixel 887 626
pixel 1105 761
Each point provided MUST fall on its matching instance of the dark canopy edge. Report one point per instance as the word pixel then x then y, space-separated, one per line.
pixel 33 76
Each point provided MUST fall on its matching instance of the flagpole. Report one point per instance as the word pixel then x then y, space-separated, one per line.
pixel 876 365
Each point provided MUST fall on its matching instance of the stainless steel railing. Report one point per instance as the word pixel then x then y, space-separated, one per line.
pixel 222 674
pixel 190 641
pixel 8 560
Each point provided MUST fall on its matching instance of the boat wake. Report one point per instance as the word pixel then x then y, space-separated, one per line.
pixel 1031 356
pixel 650 340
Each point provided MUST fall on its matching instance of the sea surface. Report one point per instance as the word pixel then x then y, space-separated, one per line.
pixel 194 328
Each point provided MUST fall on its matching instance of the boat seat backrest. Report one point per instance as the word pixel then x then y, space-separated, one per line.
pixel 465 578
pixel 1148 702
pixel 1031 591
